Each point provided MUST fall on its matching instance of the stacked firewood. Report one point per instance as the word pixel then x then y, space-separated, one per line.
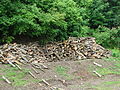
pixel 72 49
pixel 19 53
pixel 75 49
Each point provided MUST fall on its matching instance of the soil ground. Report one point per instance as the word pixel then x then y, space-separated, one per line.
pixel 78 75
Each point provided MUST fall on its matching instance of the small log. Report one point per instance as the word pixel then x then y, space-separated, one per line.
pixel 97 64
pixel 32 74
pixel 37 67
pixel 11 63
pixel 45 82
pixel 35 70
pixel 6 79
pixel 57 56
pixel 18 66
pixel 97 74
pixel 18 62
pixel 25 59
pixel 55 88
pixel 45 67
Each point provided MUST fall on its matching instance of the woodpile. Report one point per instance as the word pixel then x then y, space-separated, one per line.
pixel 75 49
pixel 72 49
pixel 19 53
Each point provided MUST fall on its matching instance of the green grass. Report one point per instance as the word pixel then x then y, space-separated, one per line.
pixel 111 82
pixel 115 55
pixel 16 76
pixel 107 85
pixel 114 69
pixel 63 72
pixel 106 71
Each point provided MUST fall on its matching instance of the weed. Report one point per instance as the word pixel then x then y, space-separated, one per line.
pixel 106 71
pixel 63 72
pixel 111 82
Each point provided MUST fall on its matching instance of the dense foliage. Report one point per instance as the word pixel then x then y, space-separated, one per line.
pixel 52 20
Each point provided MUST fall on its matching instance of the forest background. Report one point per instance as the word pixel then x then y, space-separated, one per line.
pixel 56 20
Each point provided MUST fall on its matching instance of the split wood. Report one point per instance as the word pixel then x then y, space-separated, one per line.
pixel 18 67
pixel 10 63
pixel 97 74
pixel 35 70
pixel 99 65
pixel 38 67
pixel 45 67
pixel 6 79
pixel 45 82
pixel 32 74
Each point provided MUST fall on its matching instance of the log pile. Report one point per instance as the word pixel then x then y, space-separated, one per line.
pixel 72 49
pixel 19 53
pixel 75 49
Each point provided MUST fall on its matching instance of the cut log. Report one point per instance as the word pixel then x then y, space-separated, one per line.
pixel 44 81
pixel 97 74
pixel 99 65
pixel 32 74
pixel 6 79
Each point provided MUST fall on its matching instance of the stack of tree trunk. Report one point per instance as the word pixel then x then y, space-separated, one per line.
pixel 72 49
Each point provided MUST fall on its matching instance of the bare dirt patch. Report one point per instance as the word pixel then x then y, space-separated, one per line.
pixel 78 75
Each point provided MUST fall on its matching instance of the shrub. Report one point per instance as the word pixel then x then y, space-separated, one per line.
pixel 107 37
pixel 54 19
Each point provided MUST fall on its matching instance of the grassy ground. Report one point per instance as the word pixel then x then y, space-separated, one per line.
pixel 62 71
pixel 16 76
